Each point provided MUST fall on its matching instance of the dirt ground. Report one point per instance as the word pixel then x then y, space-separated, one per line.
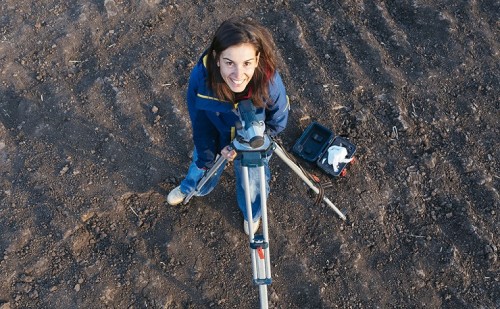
pixel 94 133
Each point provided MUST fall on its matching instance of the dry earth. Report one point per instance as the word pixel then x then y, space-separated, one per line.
pixel 94 132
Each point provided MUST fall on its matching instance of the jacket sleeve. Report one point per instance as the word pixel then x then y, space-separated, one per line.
pixel 204 132
pixel 277 111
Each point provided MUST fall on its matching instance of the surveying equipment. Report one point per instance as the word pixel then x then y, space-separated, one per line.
pixel 250 129
pixel 259 244
pixel 253 148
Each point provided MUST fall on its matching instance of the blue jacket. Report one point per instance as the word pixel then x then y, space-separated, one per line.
pixel 213 120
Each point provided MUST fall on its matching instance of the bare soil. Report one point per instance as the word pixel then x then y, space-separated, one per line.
pixel 94 132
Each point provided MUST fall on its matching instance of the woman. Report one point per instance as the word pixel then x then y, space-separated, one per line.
pixel 240 64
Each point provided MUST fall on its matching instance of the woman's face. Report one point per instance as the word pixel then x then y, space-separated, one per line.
pixel 237 65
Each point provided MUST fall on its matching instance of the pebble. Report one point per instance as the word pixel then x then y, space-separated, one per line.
pixel 77 287
pixel 33 294
pixel 404 124
pixel 360 116
pixel 111 8
pixel 26 278
pixel 274 296
pixel 430 160
pixel 64 170
pixel 23 287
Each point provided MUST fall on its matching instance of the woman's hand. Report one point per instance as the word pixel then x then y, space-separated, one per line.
pixel 228 153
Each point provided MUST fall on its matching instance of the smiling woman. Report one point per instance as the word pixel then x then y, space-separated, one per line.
pixel 253 46
pixel 237 65
pixel 240 64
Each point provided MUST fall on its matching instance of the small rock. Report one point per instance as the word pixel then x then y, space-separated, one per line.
pixel 421 273
pixel 26 278
pixel 64 170
pixel 33 294
pixel 274 296
pixel 404 124
pixel 77 287
pixel 360 117
pixel 111 8
pixel 154 109
pixel 23 287
pixel 429 160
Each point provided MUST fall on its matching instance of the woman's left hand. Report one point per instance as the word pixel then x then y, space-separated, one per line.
pixel 228 153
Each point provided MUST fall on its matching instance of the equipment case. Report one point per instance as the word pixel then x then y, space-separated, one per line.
pixel 313 146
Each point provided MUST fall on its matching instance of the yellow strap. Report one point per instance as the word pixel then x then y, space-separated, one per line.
pixel 208 97
pixel 205 59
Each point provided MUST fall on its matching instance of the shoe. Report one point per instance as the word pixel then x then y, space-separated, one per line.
pixel 255 226
pixel 175 197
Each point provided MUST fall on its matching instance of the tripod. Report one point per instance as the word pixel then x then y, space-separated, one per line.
pixel 259 243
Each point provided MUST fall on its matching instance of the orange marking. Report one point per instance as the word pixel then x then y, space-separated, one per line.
pixel 260 252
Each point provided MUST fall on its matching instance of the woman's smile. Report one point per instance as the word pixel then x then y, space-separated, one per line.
pixel 237 65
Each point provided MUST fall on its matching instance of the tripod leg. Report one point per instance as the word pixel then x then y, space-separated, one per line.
pixel 259 244
pixel 265 230
pixel 297 171
pixel 248 203
pixel 221 160
pixel 263 296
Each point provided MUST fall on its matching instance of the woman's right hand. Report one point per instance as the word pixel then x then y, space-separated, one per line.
pixel 228 153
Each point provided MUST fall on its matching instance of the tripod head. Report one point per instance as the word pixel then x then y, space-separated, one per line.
pixel 251 143
pixel 250 130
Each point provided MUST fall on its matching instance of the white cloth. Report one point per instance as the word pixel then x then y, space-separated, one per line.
pixel 337 155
